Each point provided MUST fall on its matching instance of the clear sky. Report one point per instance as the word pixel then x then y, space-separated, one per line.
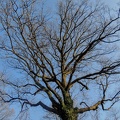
pixel 112 3
pixel 37 113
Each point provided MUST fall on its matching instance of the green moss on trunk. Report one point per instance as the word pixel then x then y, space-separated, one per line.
pixel 68 112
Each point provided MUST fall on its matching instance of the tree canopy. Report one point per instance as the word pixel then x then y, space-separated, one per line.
pixel 69 57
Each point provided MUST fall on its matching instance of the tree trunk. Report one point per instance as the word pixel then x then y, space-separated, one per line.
pixel 67 111
pixel 69 115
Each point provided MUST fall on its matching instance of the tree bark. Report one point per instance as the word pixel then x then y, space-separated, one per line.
pixel 69 115
pixel 68 112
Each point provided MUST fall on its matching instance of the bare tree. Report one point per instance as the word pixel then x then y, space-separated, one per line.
pixel 113 114
pixel 5 112
pixel 70 58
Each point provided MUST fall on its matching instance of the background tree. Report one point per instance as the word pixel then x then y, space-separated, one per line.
pixel 68 58
pixel 6 112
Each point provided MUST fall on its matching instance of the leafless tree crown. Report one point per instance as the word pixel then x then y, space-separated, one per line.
pixel 69 58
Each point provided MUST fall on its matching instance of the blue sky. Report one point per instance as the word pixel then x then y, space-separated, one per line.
pixel 37 113
pixel 112 3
